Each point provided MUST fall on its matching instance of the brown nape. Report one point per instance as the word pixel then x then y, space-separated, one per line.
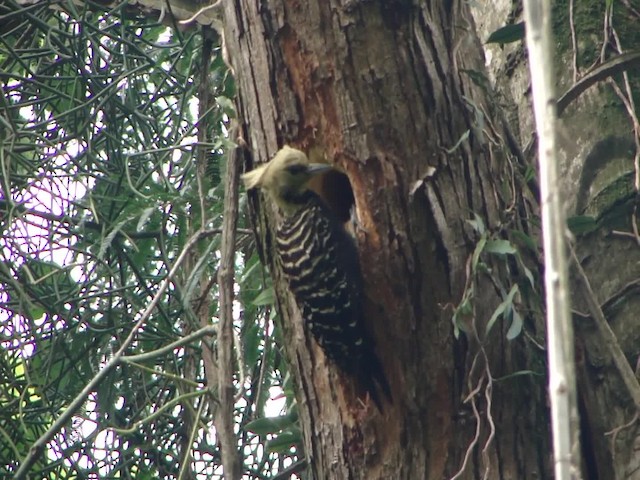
pixel 335 190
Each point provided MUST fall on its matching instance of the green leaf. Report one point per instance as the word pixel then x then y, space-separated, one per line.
pixel 266 425
pixel 284 442
pixel 496 314
pixel 516 325
pixel 265 297
pixel 227 105
pixel 478 251
pixel 34 313
pixel 529 276
pixel 144 218
pixel 477 224
pixel 251 269
pixel 506 304
pixel 581 224
pixel 507 34
pixel 500 247
pixel 477 77
pixel 529 173
pixel 522 238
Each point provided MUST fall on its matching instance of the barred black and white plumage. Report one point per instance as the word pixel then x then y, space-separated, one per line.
pixel 320 262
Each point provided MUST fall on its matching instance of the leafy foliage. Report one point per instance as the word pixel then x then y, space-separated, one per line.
pixel 487 252
pixel 102 119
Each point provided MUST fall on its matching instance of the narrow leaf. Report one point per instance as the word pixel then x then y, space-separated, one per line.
pixel 581 224
pixel 500 247
pixel 507 34
pixel 265 297
pixel 516 325
pixel 265 425
pixel 506 303
pixel 283 442
pixel 478 250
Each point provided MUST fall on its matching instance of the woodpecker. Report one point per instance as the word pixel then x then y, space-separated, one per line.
pixel 320 262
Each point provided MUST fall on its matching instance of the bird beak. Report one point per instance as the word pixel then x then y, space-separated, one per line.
pixel 317 168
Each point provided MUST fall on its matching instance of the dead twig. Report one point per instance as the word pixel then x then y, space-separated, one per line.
pixel 608 337
pixel 231 460
pixel 611 67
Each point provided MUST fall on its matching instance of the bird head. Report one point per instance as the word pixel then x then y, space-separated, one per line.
pixel 285 176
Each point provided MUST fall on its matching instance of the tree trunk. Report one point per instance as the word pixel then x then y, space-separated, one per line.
pixel 384 90
pixel 598 156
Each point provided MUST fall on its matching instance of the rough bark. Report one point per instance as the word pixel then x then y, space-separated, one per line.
pixel 598 149
pixel 384 91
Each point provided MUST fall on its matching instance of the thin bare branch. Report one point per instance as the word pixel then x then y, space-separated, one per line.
pixel 608 337
pixel 562 382
pixel 166 407
pixel 231 459
pixel 203 332
pixel 611 67
pixel 192 436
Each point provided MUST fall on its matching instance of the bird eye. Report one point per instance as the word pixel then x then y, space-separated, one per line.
pixel 296 169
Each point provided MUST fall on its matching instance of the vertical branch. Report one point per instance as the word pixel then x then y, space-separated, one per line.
pixel 606 333
pixel 221 371
pixel 204 129
pixel 201 303
pixel 562 383
pixel 231 460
